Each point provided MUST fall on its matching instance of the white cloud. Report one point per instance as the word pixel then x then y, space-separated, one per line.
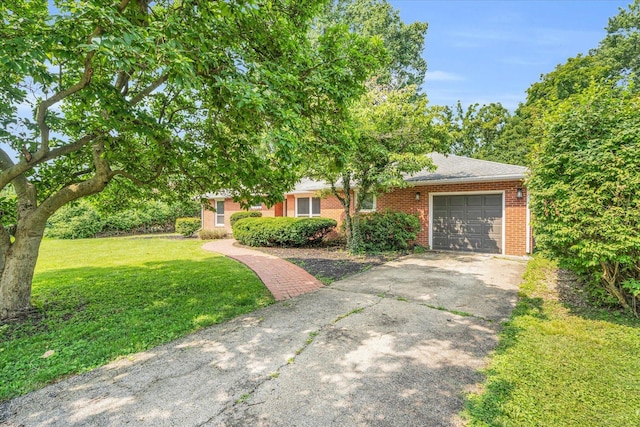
pixel 442 76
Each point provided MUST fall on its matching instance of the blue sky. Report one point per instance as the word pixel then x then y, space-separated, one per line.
pixel 491 51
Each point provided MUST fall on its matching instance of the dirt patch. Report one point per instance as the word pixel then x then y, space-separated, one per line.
pixel 571 290
pixel 329 264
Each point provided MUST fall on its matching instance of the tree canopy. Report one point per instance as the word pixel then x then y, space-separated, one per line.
pixel 181 96
pixel 404 43
pixel 584 126
pixel 390 130
pixel 585 187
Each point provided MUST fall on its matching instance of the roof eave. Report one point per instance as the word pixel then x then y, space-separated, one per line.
pixel 468 179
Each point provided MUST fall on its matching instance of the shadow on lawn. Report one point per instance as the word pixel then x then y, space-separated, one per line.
pixel 90 316
pixel 486 407
pixel 574 296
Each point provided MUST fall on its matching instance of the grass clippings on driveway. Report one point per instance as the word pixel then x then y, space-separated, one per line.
pixel 98 299
pixel 560 364
pixel 329 264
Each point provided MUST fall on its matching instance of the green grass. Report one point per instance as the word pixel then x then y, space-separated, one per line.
pixel 99 299
pixel 556 366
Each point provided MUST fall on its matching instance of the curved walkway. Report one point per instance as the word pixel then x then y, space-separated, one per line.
pixel 284 279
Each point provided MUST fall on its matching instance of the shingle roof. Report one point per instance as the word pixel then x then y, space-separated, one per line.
pixel 307 185
pixel 453 168
pixel 449 169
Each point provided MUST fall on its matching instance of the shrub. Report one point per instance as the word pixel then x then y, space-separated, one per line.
pixel 74 221
pixel 282 231
pixel 87 219
pixel 205 234
pixel 187 226
pixel 386 231
pixel 244 214
pixel 584 189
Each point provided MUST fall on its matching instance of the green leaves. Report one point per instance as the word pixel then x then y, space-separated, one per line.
pixel 585 182
pixel 223 93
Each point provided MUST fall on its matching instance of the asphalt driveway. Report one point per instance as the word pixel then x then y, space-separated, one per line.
pixel 398 345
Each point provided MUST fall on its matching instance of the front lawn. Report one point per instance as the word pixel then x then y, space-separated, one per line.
pixel 559 365
pixel 99 299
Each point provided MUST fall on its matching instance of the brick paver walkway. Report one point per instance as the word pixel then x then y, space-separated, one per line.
pixel 283 279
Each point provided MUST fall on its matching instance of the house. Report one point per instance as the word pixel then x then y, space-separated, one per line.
pixel 464 205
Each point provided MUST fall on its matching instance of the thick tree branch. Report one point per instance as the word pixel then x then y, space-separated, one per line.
pixel 19 181
pixel 147 91
pixel 12 170
pixel 137 181
pixel 103 174
pixel 43 106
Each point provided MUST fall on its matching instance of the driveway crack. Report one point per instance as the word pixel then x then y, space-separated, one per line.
pixel 245 398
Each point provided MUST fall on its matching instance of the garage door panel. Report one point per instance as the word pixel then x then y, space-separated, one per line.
pixel 490 246
pixel 492 213
pixel 475 214
pixel 467 222
pixel 474 200
pixel 457 213
pixel 492 230
pixel 456 201
pixel 493 200
pixel 459 244
pixel 439 226
pixel 476 227
pixel 440 241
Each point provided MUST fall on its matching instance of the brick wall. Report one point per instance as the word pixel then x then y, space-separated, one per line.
pixel 514 215
pixel 404 199
pixel 230 207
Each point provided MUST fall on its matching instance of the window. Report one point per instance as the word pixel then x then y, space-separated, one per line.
pixel 220 213
pixel 368 202
pixel 308 206
pixel 256 207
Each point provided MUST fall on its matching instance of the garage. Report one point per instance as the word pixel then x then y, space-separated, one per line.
pixel 467 222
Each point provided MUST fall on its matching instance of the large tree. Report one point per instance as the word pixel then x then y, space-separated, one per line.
pixel 404 43
pixel 390 134
pixel 475 130
pixel 584 179
pixel 585 187
pixel 390 130
pixel 183 96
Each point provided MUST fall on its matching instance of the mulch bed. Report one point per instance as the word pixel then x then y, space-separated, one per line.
pixel 329 264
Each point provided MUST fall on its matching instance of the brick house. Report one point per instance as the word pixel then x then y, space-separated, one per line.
pixel 464 205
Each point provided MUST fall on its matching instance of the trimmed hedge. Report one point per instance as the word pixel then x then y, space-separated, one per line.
pixel 187 226
pixel 243 214
pixel 386 231
pixel 282 231
pixel 205 234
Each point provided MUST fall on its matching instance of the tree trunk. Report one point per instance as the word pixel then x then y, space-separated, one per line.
pixel 19 265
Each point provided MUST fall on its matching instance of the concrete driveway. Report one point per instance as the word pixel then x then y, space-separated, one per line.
pixel 398 345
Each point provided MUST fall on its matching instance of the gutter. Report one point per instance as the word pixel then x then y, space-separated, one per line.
pixel 468 179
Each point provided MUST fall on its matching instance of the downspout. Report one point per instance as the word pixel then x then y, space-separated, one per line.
pixel 528 231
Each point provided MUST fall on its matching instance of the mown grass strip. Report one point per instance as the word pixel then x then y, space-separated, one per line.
pixel 556 366
pixel 99 299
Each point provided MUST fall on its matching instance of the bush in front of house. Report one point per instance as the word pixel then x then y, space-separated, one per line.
pixel 205 234
pixel 187 226
pixel 386 231
pixel 282 231
pixel 243 214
